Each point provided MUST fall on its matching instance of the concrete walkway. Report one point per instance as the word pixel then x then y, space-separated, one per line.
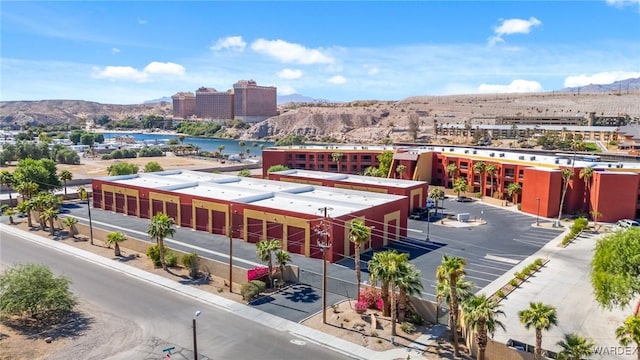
pixel 244 311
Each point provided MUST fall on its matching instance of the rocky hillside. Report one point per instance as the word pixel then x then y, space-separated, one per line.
pixel 72 111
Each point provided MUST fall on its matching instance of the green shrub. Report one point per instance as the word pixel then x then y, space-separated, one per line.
pixel 191 262
pixel 526 271
pixel 154 254
pixel 513 282
pixel 500 293
pixel 407 327
pixel 252 289
pixel 539 262
pixel 171 258
pixel 519 206
pixel 520 275
pixel 532 267
pixel 415 318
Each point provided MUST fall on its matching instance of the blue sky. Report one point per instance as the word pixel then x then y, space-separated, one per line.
pixel 127 52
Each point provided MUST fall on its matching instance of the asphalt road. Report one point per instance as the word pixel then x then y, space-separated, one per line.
pixel 162 314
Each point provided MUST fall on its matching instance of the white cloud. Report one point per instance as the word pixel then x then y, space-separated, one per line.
pixel 371 70
pixel 115 50
pixel 338 79
pixel 599 78
pixel 516 86
pixel 167 68
pixel 290 52
pixel 142 22
pixel 621 3
pixel 286 90
pixel 289 74
pixel 513 26
pixel 128 73
pixel 230 42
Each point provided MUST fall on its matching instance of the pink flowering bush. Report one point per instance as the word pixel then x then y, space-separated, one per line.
pixel 372 298
pixel 257 273
pixel 361 307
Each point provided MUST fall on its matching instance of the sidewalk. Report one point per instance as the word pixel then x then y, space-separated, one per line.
pixel 238 309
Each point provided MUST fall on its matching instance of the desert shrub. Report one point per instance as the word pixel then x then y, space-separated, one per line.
pixel 526 271
pixel 520 275
pixel 154 254
pixel 513 282
pixel 538 262
pixel 372 297
pixel 579 224
pixel 361 307
pixel 171 258
pixel 532 267
pixel 407 327
pixel 191 261
pixel 252 289
pixel 500 293
pixel 415 318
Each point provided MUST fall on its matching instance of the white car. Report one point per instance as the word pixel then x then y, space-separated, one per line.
pixel 626 223
pixel 431 203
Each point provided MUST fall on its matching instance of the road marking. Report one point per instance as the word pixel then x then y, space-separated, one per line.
pixel 414 230
pixel 501 259
pixel 175 242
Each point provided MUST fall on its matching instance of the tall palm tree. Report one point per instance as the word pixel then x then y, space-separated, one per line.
pixel 480 314
pixel 6 179
pixel 389 267
pixel 464 290
pixel 436 194
pixel 452 170
pixel 513 190
pixel 160 227
pixel 459 185
pixel 379 269
pixel 586 174
pixel 27 189
pixel 540 317
pixel 409 284
pixel 27 206
pixel 10 212
pixel 358 235
pixel 575 347
pixel 567 174
pixel 401 169
pixel 220 150
pixel 70 222
pixel 336 157
pixel 115 238
pixel 50 214
pixel 264 251
pixel 282 259
pixel 452 269
pixel 65 175
pixel 491 170
pixel 630 332
pixel 480 168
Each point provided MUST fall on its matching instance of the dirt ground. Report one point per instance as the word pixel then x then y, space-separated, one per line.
pixel 343 322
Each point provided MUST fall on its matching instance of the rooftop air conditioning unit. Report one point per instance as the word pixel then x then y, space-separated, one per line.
pixel 501 154
pixel 521 157
pixel 557 161
pixel 466 151
pixel 492 154
pixel 532 158
pixel 619 166
pixel 475 152
pixel 569 161
pixel 609 165
pixel 452 149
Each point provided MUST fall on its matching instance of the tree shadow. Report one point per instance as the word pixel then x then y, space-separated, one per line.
pixel 72 325
pixel 298 293
pixel 127 258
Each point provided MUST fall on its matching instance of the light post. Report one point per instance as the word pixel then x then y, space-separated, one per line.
pixel 195 338
pixel 230 248
pixel 324 242
pixel 84 195
pixel 428 223
pixel 538 212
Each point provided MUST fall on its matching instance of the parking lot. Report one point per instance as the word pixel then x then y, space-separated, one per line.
pixel 504 239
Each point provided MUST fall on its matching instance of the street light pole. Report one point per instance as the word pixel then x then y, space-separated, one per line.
pixel 195 338
pixel 538 212
pixel 230 248
pixel 324 243
pixel 428 223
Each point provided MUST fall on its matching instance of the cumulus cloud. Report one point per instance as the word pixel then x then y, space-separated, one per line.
pixel 128 73
pixel 290 52
pixel 513 26
pixel 516 86
pixel 115 50
pixel 371 70
pixel 289 74
pixel 230 42
pixel 607 77
pixel 286 90
pixel 338 79
pixel 621 3
pixel 142 22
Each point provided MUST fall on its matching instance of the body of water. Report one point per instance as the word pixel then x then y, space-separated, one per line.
pixel 206 144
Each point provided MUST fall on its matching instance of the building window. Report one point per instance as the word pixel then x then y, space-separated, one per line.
pixel 366 158
pixel 439 171
pixel 321 157
pixel 509 173
pixel 439 161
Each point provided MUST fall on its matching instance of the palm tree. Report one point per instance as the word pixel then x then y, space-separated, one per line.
pixel 358 235
pixel 540 317
pixel 282 259
pixel 436 194
pixel 10 212
pixel 27 189
pixel 379 269
pixel 65 175
pixel 70 222
pixel 480 314
pixel 575 347
pixel 115 238
pixel 26 207
pixel 459 185
pixel 513 190
pixel 336 157
pixel 464 290
pixel 220 150
pixel 264 251
pixel 586 174
pixel 630 332
pixel 452 170
pixel 480 168
pixel 491 170
pixel 401 169
pixel 50 214
pixel 6 179
pixel 160 227
pixel 410 284
pixel 567 174
pixel 452 268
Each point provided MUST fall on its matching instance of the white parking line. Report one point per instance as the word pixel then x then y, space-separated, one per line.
pixel 502 259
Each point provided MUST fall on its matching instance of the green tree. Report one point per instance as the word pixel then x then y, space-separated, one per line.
pixel 513 190
pixel 32 290
pixel 567 174
pixel 336 157
pixel 65 175
pixel 630 332
pixel 276 168
pixel 70 222
pixel 358 235
pixel 282 259
pixel 25 207
pixel 384 163
pixel 539 317
pixel 244 173
pixel 10 212
pixel 586 174
pixel 264 252
pixel 436 194
pixel 491 170
pixel 220 150
pixel 43 172
pixel 480 168
pixel 7 179
pixel 49 215
pixel 459 185
pixel 452 269
pixel 160 227
pixel 409 284
pixel 115 238
pixel 372 171
pixel 452 171
pixel 152 166
pixel 122 168
pixel 575 347
pixel 481 315
pixel 386 266
pixel 615 268
pixel 401 169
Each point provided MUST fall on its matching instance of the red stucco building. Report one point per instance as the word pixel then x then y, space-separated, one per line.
pixel 257 209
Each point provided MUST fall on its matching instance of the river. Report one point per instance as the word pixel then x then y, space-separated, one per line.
pixel 206 144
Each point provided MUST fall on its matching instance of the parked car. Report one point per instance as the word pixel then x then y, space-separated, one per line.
pixel 431 204
pixel 626 223
pixel 464 199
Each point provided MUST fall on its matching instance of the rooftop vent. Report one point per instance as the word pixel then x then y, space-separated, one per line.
pixel 452 149
pixel 492 154
pixel 475 152
pixel 501 154
pixel 521 157
pixel 466 151
pixel 557 161
pixel 532 158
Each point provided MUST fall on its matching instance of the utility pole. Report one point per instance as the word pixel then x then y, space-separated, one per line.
pixel 324 242
pixel 230 248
